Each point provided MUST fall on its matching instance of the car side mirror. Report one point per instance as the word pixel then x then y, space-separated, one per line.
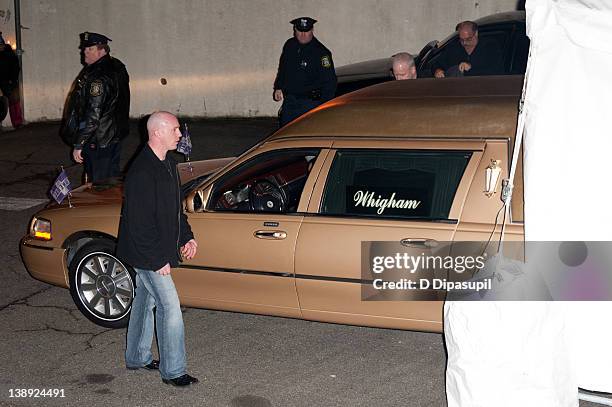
pixel 197 200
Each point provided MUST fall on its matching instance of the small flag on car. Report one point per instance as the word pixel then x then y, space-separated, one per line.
pixel 184 144
pixel 61 187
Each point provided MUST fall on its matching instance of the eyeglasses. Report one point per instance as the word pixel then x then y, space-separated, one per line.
pixel 467 40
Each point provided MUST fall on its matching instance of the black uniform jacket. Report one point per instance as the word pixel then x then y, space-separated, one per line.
pixel 486 59
pixel 123 103
pixel 92 114
pixel 153 225
pixel 9 70
pixel 306 70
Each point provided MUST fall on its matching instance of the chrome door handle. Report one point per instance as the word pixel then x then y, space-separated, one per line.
pixel 270 234
pixel 419 243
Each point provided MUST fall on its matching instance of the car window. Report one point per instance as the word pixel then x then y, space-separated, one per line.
pixel 493 39
pixel 393 183
pixel 269 182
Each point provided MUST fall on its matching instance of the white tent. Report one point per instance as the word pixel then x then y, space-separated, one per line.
pixel 539 353
pixel 568 142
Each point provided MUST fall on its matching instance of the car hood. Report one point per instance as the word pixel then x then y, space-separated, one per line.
pixel 110 191
pixel 192 170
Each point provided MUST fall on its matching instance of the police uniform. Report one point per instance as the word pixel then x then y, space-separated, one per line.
pixel 305 75
pixel 9 81
pixel 97 112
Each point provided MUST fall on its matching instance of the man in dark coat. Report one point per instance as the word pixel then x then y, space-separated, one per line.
pixel 470 56
pixel 306 77
pixel 152 231
pixel 97 113
pixel 9 82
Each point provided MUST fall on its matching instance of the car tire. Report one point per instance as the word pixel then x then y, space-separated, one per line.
pixel 101 285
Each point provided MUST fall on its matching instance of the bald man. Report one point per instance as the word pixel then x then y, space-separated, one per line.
pixel 152 230
pixel 403 66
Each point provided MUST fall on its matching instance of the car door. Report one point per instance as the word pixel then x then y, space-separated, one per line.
pixel 341 232
pixel 247 235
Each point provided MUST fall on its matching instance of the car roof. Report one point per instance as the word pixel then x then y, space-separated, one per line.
pixel 493 21
pixel 450 108
pixel 505 17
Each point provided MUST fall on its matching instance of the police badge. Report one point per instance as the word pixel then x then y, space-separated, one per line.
pixel 325 61
pixel 96 88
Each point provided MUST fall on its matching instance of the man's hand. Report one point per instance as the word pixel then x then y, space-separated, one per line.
pixel 188 251
pixel 78 157
pixel 164 271
pixel 439 73
pixel 464 67
pixel 277 95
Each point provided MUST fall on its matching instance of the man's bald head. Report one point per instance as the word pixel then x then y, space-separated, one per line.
pixel 158 120
pixel 403 66
pixel 164 133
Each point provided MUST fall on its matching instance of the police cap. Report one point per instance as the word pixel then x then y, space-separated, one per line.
pixel 88 39
pixel 303 23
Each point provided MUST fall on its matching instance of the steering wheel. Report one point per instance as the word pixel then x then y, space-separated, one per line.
pixel 265 196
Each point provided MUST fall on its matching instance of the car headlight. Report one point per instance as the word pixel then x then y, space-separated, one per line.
pixel 40 229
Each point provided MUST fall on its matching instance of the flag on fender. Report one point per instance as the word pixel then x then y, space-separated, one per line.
pixel 61 187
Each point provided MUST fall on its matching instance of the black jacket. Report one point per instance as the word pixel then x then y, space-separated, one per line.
pixel 94 112
pixel 123 103
pixel 153 225
pixel 306 71
pixel 9 70
pixel 486 59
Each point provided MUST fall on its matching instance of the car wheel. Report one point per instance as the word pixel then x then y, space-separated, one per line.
pixel 101 286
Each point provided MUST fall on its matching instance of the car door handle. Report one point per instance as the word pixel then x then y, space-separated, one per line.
pixel 270 234
pixel 419 242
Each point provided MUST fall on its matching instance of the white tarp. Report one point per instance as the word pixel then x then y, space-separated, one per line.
pixel 567 146
pixel 538 353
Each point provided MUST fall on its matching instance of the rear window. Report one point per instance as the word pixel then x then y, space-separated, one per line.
pixel 393 183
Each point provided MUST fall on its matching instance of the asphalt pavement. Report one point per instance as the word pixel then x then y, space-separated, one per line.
pixel 242 360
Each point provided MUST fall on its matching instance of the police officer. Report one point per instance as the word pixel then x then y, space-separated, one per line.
pixel 96 116
pixel 306 77
pixel 9 83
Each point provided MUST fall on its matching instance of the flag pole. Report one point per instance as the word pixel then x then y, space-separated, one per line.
pixel 69 194
pixel 187 155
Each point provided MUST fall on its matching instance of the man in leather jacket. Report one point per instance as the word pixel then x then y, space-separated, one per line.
pixel 97 113
pixel 9 83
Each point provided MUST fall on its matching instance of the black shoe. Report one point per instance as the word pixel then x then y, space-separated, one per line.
pixel 154 365
pixel 184 380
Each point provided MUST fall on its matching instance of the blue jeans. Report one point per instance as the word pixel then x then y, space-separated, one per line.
pixel 156 291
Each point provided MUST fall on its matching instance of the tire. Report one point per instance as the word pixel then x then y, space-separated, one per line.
pixel 102 287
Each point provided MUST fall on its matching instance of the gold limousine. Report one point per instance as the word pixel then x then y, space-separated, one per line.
pixel 280 228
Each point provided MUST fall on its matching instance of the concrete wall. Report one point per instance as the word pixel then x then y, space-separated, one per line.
pixel 219 57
